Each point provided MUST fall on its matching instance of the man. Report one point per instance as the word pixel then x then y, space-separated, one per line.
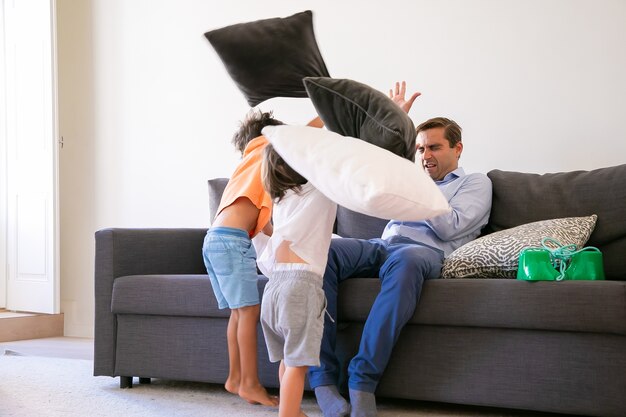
pixel 407 254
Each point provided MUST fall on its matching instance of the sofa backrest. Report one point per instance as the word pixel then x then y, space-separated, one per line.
pixel 352 224
pixel 216 189
pixel 520 198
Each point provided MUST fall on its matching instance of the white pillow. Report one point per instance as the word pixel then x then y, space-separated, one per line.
pixel 358 175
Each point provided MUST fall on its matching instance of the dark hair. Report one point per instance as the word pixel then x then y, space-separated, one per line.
pixel 452 131
pixel 251 127
pixel 278 177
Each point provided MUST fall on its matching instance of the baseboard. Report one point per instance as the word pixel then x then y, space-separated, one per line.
pixel 23 326
pixel 79 330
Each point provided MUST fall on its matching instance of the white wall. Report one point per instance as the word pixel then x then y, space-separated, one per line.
pixel 147 108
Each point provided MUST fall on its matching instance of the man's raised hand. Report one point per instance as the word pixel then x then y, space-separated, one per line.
pixel 398 96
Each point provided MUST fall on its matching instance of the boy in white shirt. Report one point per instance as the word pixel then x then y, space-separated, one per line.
pixel 294 260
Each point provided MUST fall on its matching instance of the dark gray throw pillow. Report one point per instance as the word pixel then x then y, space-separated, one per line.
pixel 354 109
pixel 269 58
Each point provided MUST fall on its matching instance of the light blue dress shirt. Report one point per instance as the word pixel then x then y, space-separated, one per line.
pixel 470 199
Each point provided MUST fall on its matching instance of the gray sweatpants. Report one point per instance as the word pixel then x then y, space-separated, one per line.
pixel 292 316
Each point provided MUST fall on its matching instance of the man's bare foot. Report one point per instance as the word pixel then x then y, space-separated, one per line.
pixel 232 386
pixel 257 395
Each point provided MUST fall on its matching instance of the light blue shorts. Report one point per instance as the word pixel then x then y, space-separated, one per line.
pixel 230 260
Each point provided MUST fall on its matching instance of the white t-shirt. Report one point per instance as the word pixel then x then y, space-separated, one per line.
pixel 306 219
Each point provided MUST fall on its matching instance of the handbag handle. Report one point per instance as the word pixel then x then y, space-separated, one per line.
pixel 563 253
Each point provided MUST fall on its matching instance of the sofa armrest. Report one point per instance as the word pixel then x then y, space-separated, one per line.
pixel 121 252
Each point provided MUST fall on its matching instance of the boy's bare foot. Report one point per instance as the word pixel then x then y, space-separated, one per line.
pixel 232 386
pixel 257 395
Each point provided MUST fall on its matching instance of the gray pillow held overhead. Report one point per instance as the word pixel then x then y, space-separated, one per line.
pixel 357 110
pixel 269 58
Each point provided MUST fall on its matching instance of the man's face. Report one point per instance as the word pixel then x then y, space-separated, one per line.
pixel 435 153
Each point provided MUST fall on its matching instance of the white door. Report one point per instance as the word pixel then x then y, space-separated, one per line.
pixel 3 177
pixel 32 155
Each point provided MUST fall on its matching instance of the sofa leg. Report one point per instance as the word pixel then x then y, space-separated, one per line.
pixel 144 380
pixel 126 382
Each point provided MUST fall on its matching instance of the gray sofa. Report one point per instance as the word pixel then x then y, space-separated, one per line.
pixel 546 346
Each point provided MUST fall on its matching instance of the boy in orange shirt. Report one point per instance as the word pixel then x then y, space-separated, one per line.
pixel 230 257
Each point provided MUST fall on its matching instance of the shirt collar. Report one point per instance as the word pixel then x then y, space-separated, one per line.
pixel 457 173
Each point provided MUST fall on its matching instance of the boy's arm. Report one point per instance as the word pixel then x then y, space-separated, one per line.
pixel 317 122
pixel 268 229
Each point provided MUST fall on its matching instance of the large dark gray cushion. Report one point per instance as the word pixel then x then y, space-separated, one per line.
pixel 576 306
pixel 268 58
pixel 599 306
pixel 520 198
pixel 168 295
pixel 357 110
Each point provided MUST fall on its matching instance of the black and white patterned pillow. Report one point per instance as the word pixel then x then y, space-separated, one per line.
pixel 496 255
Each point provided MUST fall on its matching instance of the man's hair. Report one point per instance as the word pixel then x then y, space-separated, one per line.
pixel 278 177
pixel 251 127
pixel 452 131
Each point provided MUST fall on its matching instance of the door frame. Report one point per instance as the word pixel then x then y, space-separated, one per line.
pixel 3 169
pixel 47 301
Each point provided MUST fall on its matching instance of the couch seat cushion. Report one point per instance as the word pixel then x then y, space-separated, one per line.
pixel 168 295
pixel 583 306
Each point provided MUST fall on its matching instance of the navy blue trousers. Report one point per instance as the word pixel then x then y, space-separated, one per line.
pixel 402 265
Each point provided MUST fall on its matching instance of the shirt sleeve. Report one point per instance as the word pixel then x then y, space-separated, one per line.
pixel 471 205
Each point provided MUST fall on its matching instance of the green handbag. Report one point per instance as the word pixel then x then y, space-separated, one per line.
pixel 535 264
pixel 586 264
pixel 563 263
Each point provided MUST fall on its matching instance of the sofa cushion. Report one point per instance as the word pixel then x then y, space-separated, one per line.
pixel 357 110
pixel 216 189
pixel 357 225
pixel 168 295
pixel 496 255
pixel 520 198
pixel 268 58
pixel 599 306
pixel 577 306
pixel 359 175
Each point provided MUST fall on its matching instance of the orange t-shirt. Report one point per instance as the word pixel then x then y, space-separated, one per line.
pixel 246 182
